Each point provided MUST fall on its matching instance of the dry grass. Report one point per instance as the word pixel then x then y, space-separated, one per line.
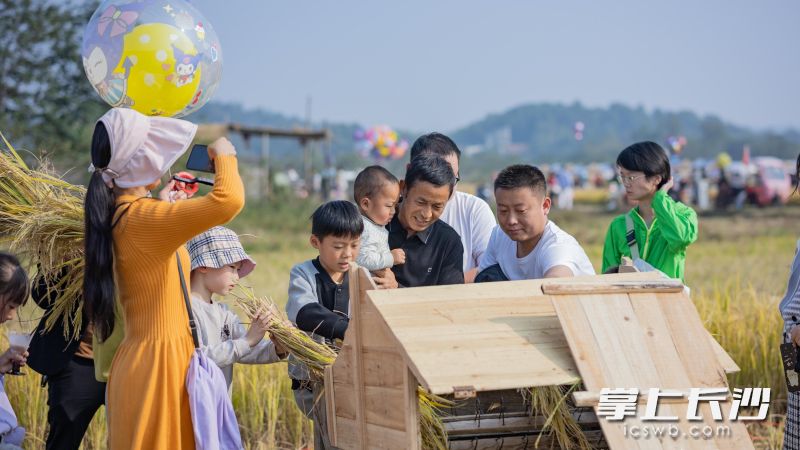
pixel 41 220
pixel 551 403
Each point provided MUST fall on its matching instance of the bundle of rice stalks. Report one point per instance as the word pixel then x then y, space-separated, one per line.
pixel 431 428
pixel 41 220
pixel 316 356
pixel 551 402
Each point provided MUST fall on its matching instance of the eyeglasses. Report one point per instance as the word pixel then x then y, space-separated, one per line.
pixel 458 179
pixel 628 179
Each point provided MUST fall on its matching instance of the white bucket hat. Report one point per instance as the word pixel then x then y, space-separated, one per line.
pixel 143 148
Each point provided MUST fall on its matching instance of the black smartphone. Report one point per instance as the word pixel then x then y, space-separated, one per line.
pixel 199 160
pixel 790 367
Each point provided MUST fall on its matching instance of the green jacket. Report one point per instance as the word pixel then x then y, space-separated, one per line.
pixel 663 245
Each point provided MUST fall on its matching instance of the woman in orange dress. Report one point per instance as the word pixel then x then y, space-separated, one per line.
pixel 131 244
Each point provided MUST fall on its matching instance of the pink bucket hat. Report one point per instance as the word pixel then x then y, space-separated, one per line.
pixel 143 148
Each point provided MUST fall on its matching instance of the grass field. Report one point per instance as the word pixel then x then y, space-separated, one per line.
pixel 737 271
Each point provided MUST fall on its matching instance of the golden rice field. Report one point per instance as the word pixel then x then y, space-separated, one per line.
pixel 737 271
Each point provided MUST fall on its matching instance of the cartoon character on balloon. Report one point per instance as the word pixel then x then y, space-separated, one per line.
pixel 159 57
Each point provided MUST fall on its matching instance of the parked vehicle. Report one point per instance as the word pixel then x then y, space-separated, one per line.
pixel 771 185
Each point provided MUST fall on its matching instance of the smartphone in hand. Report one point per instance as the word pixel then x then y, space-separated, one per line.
pixel 199 160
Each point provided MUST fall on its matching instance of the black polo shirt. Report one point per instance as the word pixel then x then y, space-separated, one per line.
pixel 433 256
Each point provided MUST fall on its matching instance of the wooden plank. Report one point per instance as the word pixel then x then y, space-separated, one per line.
pixel 458 310
pixel 465 328
pixel 347 434
pixel 533 366
pixel 382 438
pixel 644 340
pixel 382 406
pixel 482 291
pixel 616 329
pixel 491 336
pixel 343 366
pixel 618 287
pixel 330 404
pixel 723 357
pixel 345 406
pixel 411 410
pixel 357 291
pixel 385 407
pixel 373 325
pixel 382 369
pixel 658 340
pixel 584 348
pixel 691 341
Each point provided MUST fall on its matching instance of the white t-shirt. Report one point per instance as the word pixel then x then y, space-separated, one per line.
pixel 555 248
pixel 473 220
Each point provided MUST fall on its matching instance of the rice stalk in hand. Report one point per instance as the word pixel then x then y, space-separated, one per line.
pixel 41 220
pixel 315 355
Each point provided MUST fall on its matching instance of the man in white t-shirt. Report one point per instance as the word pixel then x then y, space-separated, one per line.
pixel 470 216
pixel 526 244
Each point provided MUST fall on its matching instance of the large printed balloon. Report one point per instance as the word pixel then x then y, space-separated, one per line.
pixel 159 57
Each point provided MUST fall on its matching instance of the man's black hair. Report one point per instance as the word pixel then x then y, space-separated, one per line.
pixel 435 143
pixel 430 168
pixel 519 176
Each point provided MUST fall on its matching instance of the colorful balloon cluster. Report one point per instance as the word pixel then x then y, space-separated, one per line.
pixel 676 143
pixel 380 142
pixel 578 128
pixel 159 57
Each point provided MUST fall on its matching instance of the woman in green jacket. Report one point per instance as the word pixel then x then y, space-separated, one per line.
pixel 662 227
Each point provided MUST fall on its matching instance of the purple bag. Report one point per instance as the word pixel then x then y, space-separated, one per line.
pixel 214 422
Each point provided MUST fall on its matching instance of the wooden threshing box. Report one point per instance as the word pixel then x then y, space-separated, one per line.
pixel 635 330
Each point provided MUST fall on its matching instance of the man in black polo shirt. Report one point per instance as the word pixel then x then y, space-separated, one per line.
pixel 434 254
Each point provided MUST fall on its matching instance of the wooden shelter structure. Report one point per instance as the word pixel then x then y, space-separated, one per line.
pixel 481 343
pixel 260 172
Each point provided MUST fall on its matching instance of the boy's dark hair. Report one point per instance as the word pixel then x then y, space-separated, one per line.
pixel 436 144
pixel 370 181
pixel 14 287
pixel 430 168
pixel 338 218
pixel 646 157
pixel 521 176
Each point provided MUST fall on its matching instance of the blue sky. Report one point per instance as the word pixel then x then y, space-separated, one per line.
pixel 439 65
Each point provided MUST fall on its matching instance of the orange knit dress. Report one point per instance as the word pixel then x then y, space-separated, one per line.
pixel 148 404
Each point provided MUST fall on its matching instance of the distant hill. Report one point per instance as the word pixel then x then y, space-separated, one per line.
pixel 544 133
